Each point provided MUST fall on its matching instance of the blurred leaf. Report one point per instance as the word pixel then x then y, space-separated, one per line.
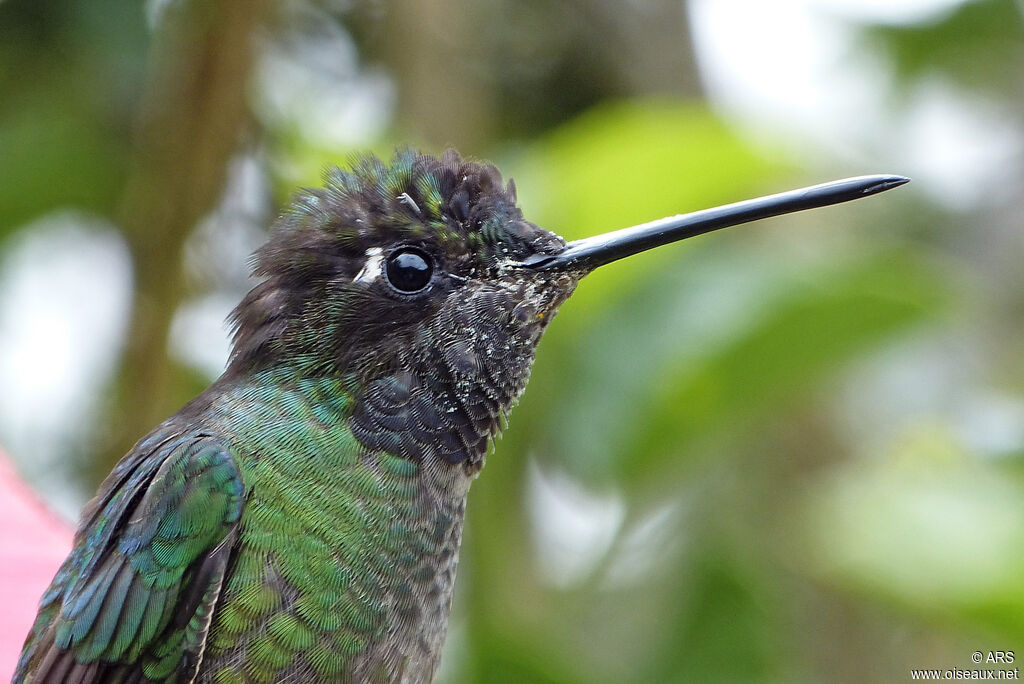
pixel 727 632
pixel 629 162
pixel 928 526
pixel 70 74
pixel 524 656
pixel 51 158
pixel 812 333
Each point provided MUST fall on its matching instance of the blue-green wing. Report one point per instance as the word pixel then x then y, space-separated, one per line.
pixel 133 600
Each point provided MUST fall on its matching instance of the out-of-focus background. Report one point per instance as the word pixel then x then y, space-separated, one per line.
pixel 789 452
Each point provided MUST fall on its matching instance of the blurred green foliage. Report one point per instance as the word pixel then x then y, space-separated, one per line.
pixel 750 457
pixel 70 78
pixel 977 45
pixel 641 389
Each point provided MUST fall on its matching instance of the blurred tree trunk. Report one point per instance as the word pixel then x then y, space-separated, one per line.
pixel 444 93
pixel 190 122
pixel 467 72
pixel 651 47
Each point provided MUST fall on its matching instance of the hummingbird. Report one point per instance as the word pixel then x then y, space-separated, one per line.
pixel 300 520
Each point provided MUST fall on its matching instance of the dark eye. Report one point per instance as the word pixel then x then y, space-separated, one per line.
pixel 409 270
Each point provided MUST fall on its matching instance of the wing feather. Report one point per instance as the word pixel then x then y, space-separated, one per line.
pixel 134 598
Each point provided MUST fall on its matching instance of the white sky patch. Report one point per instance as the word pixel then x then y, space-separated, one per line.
pixel 66 281
pixel 199 333
pixel 767 60
pixel 960 151
pixel 992 424
pixel 313 82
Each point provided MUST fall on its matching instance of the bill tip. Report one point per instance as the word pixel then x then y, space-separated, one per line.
pixel 887 182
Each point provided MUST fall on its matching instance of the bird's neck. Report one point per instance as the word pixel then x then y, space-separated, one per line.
pixel 385 530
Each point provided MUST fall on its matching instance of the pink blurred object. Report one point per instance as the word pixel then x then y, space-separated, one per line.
pixel 33 544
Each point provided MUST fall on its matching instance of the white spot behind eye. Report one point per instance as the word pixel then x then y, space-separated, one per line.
pixel 372 268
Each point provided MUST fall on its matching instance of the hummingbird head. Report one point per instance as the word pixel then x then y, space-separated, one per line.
pixel 419 284
pixel 386 259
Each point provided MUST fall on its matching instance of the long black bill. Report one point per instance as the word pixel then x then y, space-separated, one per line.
pixel 589 253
